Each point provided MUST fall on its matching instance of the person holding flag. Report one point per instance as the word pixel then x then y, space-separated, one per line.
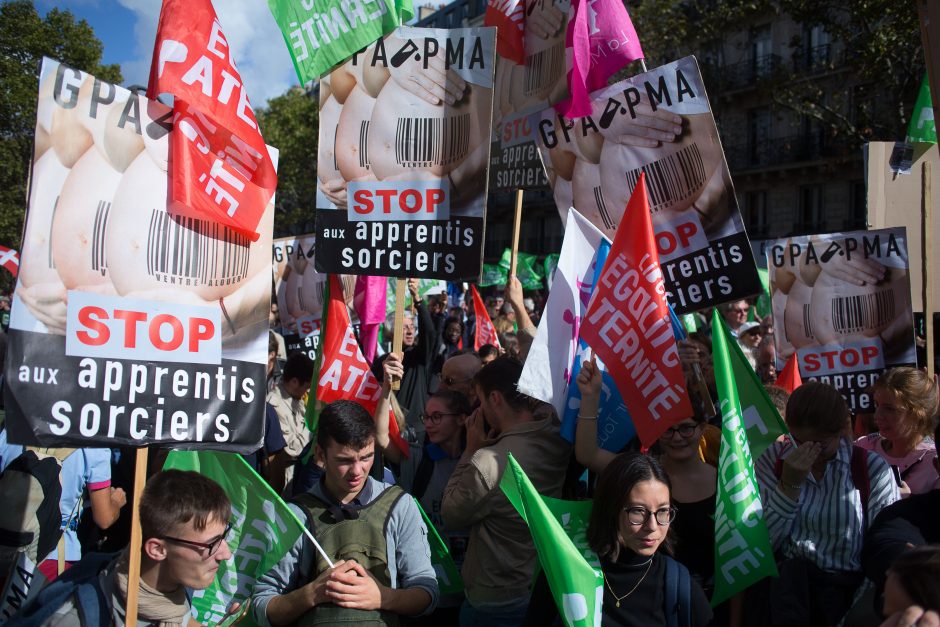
pixel 630 522
pixel 379 566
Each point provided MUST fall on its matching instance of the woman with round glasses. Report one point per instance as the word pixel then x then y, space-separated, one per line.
pixel 695 481
pixel 630 522
pixel 428 467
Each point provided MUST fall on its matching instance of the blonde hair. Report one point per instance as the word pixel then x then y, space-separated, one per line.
pixel 915 392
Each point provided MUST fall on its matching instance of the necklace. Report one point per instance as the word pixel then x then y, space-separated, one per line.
pixel 633 589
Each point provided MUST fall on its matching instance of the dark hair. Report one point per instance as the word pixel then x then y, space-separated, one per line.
pixel 347 423
pixel 298 366
pixel 817 406
pixel 502 375
pixel 779 397
pixel 456 402
pixel 272 342
pixel 453 320
pixel 486 350
pixel 175 497
pixel 918 572
pixel 610 497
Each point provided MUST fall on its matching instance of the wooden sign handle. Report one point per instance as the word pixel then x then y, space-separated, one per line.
pixel 516 224
pixel 133 571
pixel 399 323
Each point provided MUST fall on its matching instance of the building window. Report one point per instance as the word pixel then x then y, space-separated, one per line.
pixel 759 123
pixel 762 45
pixel 755 211
pixel 817 49
pixel 811 212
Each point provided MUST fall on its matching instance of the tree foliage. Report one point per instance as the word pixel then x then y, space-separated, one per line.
pixel 25 37
pixel 290 123
pixel 882 63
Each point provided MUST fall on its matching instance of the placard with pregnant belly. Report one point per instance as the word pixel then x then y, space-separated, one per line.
pixel 842 302
pixel 402 157
pixel 659 123
pixel 129 326
pixel 525 89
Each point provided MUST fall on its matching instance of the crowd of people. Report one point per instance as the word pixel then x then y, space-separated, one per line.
pixel 851 514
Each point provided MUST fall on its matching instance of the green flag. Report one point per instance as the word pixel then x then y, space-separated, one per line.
pixel 688 321
pixel 321 33
pixel 527 270
pixel 923 128
pixel 762 422
pixel 550 263
pixel 576 586
pixel 448 575
pixel 263 531
pixel 762 308
pixel 743 553
pixel 493 274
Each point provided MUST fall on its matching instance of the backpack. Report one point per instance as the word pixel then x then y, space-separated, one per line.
pixel 678 602
pixel 30 520
pixel 81 582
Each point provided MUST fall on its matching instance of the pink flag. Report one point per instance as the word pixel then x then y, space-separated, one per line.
pixel 600 40
pixel 369 303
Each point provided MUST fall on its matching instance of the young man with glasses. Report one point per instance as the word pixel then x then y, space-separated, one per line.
pixel 372 532
pixel 184 519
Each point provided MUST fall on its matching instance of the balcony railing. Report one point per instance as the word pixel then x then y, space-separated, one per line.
pixel 783 150
pixel 813 60
pixel 454 15
pixel 747 73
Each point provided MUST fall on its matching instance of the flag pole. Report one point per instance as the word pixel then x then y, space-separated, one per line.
pixel 399 323
pixel 927 289
pixel 516 224
pixel 133 571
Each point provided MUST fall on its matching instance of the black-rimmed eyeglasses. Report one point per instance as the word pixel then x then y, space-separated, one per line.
pixel 211 547
pixel 637 516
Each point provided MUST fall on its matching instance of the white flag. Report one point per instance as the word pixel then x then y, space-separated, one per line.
pixel 548 366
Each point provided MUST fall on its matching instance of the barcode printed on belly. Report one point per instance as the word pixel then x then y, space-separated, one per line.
pixel 853 314
pixel 99 262
pixel 602 208
pixel 426 142
pixel 544 68
pixel 364 144
pixel 673 178
pixel 55 207
pixel 807 321
pixel 187 251
pixel 335 133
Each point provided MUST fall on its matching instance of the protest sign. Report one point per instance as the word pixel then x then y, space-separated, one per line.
pixel 129 326
pixel 10 260
pixel 402 169
pixel 595 163
pixel 320 35
pixel 743 553
pixel 899 201
pixel 530 75
pixel 628 325
pixel 576 584
pixel 21 585
pixel 842 303
pixel 263 529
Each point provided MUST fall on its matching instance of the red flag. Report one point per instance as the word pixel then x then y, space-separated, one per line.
pixel 484 332
pixel 344 372
pixel 220 169
pixel 628 326
pixel 508 16
pixel 10 260
pixel 789 378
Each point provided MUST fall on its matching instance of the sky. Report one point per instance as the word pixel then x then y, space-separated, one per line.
pixel 127 29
